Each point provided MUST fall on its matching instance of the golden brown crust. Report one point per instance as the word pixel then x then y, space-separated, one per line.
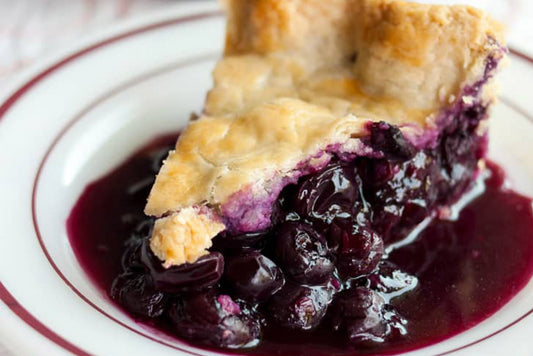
pixel 417 55
pixel 300 76
pixel 218 156
pixel 407 29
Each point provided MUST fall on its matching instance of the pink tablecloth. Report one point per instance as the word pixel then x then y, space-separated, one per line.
pixel 30 29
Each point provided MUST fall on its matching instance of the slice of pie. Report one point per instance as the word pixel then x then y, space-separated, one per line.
pixel 306 87
pixel 334 128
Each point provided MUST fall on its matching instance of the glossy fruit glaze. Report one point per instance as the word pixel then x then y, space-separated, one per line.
pixel 453 275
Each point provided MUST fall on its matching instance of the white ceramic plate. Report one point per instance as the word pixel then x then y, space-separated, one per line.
pixel 70 120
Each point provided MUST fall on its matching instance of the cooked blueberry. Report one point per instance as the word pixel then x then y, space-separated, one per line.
pixel 252 276
pixel 357 313
pixel 328 194
pixel 390 140
pixel 131 259
pixel 359 249
pixel 205 272
pixel 303 253
pixel 215 320
pixel 249 240
pixel 136 293
pixel 301 307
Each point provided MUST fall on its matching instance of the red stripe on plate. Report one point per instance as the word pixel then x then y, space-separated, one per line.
pixel 35 324
pixel 6 105
pixel 180 64
pixel 9 299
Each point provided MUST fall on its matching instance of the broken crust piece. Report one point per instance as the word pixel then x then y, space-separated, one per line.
pixel 300 82
pixel 184 236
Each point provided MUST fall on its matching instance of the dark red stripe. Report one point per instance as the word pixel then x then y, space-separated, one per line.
pixel 76 118
pixel 31 83
pixel 6 297
pixel 521 55
pixel 11 302
pixel 61 275
pixel 29 319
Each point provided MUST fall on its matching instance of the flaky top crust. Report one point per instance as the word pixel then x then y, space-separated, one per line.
pixel 301 78
pixel 218 156
pixel 378 55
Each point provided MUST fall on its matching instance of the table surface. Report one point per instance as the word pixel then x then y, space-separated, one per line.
pixel 30 29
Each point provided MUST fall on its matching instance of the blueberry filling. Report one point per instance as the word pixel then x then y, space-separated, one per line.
pixel 300 306
pixel 252 276
pixel 320 261
pixel 362 316
pixel 303 253
pixel 214 319
pixel 204 273
pixel 321 273
pixel 359 248
pixel 137 293
pixel 320 280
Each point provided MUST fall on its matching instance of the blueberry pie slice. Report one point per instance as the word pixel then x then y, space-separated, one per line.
pixel 334 128
pixel 365 111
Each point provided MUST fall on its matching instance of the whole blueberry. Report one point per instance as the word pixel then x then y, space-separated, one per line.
pixel 391 141
pixel 329 194
pixel 357 313
pixel 205 272
pixel 243 241
pixel 136 293
pixel 359 249
pixel 215 320
pixel 301 307
pixel 303 253
pixel 252 276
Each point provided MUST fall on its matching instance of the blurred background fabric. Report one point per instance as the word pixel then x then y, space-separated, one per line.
pixel 31 29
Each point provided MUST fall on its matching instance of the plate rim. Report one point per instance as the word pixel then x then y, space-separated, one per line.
pixel 36 73
pixel 23 82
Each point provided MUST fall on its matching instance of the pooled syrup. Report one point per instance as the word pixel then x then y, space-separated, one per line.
pixel 467 269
